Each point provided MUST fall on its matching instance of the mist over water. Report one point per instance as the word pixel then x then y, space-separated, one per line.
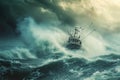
pixel 48 37
pixel 54 39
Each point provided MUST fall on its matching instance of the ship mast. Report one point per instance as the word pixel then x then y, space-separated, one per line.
pixel 76 32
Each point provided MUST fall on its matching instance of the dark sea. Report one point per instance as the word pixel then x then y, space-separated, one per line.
pixel 58 67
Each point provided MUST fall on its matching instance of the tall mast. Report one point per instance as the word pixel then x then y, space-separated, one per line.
pixel 76 31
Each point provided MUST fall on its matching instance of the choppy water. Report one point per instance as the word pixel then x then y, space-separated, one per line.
pixel 70 68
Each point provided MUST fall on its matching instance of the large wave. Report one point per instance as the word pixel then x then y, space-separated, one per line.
pixel 44 40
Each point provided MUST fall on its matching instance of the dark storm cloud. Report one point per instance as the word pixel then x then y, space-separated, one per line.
pixel 13 11
pixel 52 5
pixel 10 11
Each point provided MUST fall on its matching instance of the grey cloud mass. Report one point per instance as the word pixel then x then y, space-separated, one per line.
pixel 104 14
pixel 41 10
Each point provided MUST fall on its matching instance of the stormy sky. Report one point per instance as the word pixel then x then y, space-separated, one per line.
pixel 104 14
pixel 48 11
pixel 68 12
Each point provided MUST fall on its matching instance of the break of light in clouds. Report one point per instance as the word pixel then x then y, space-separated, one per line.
pixel 103 13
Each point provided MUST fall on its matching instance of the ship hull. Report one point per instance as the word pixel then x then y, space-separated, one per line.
pixel 73 46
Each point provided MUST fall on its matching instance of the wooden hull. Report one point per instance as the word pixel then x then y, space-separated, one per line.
pixel 74 46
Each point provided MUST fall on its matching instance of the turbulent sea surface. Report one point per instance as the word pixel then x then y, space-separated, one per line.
pixel 69 68
pixel 34 34
pixel 45 57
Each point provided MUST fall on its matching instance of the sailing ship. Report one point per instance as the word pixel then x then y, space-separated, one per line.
pixel 74 41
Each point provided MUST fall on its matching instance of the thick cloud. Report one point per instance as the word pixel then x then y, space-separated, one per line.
pixel 40 10
pixel 10 11
pixel 104 14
